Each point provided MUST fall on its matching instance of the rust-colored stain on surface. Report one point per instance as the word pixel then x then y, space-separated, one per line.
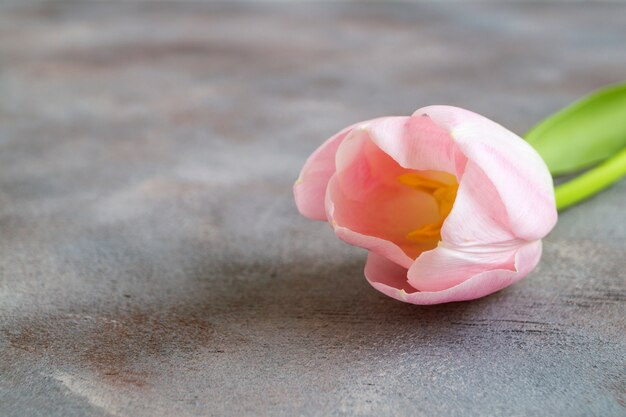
pixel 111 346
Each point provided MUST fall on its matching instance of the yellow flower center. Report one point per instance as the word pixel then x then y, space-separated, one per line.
pixel 443 191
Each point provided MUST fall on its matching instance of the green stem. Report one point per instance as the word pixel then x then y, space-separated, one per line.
pixel 592 181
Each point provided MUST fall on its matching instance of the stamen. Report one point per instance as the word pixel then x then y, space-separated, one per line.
pixel 425 233
pixel 420 183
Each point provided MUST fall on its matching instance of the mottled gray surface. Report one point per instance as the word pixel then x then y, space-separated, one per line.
pixel 152 261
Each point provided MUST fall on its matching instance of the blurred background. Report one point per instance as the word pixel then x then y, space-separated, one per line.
pixel 152 261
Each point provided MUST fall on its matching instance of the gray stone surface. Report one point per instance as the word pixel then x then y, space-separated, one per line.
pixel 152 262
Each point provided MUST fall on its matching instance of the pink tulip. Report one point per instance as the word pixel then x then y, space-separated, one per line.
pixel 450 205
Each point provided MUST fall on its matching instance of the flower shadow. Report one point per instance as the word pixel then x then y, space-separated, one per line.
pixel 326 305
pixel 235 308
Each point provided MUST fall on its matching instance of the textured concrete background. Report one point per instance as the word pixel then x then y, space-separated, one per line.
pixel 152 261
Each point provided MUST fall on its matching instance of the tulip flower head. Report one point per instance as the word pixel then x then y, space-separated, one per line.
pixel 450 205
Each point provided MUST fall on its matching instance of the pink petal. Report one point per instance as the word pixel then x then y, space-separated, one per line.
pixel 518 173
pixel 444 267
pixel 416 143
pixel 478 215
pixel 310 188
pixel 390 279
pixel 375 244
